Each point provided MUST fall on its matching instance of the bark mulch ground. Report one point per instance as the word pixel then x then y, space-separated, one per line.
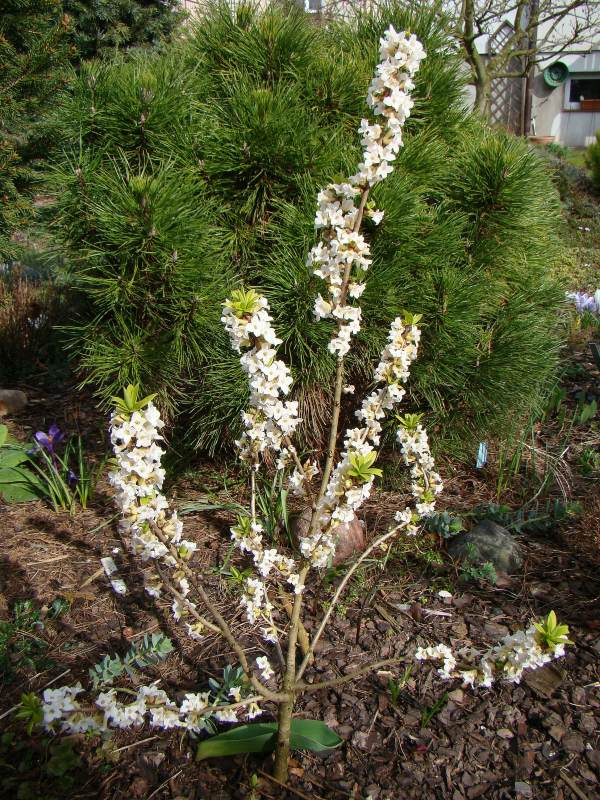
pixel 539 739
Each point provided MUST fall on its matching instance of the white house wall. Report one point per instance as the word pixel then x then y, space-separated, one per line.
pixel 551 118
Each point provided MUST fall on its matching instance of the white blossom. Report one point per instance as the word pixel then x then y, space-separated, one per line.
pixel 269 419
pixel 137 479
pixel 266 670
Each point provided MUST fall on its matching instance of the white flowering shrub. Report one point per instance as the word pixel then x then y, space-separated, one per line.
pixel 154 533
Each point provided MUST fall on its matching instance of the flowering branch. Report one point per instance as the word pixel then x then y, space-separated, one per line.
pixel 341 259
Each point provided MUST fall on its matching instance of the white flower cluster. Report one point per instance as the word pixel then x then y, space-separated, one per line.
pixel 150 704
pixel 426 483
pixel 345 492
pixel 510 657
pixel 505 661
pixel 341 250
pixel 138 479
pixel 269 419
pixel 440 652
pixel 269 563
pixel 389 97
pixel 342 256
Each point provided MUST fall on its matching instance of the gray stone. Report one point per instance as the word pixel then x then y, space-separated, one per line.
pixel 487 541
pixel 12 401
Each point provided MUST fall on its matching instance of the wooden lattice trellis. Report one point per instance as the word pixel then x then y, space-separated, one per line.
pixel 506 100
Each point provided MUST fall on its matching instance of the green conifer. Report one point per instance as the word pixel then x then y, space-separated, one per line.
pixel 233 130
pixel 33 53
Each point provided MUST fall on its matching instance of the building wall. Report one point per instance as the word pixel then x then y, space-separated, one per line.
pixel 550 111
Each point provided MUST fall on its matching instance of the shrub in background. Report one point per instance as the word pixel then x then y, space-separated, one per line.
pixel 195 169
pixel 33 59
pixel 104 25
pixel 592 158
pixel 30 307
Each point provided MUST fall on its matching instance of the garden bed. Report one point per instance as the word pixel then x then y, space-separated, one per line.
pixel 538 739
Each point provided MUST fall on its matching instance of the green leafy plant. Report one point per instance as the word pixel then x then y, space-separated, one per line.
pixel 485 572
pixel 233 677
pixel 60 484
pixel 471 570
pixel 558 150
pixel 395 686
pixel 469 238
pixel 32 769
pixel 432 711
pixel 18 484
pixel 103 27
pixel 261 737
pixel 130 400
pixel 592 158
pixel 535 518
pixel 21 646
pixel 444 524
pixel 30 712
pixel 362 469
pixel 152 649
pixel 586 412
pixel 551 632
pixel 589 462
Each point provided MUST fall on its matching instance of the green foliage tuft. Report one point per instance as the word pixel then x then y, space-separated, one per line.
pixel 592 158
pixel 104 26
pixel 152 649
pixel 33 61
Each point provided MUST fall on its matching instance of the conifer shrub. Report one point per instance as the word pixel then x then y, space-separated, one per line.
pixel 190 171
pixel 592 158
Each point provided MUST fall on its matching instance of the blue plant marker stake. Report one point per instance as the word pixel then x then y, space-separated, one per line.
pixel 482 454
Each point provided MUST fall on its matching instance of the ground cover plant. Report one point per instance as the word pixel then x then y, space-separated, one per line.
pixel 341 259
pixel 210 129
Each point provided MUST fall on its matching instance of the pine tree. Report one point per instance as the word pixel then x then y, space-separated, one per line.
pixel 236 128
pixel 33 54
pixel 101 26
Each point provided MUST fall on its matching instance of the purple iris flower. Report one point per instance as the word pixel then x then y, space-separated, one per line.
pixel 49 441
pixel 585 302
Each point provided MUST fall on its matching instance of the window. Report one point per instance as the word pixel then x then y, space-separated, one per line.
pixel 582 88
pixel 312 6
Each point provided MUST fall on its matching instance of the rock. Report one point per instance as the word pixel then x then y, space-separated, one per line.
pixel 350 535
pixel 526 761
pixel 549 751
pixel 457 696
pixel 487 542
pixel 504 733
pixel 478 791
pixel 588 775
pixel 330 718
pixel 11 401
pixel 557 732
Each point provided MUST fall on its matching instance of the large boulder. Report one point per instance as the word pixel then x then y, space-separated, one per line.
pixel 487 541
pixel 350 536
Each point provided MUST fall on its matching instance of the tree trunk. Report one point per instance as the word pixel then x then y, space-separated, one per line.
pixel 476 61
pixel 483 93
pixel 282 750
